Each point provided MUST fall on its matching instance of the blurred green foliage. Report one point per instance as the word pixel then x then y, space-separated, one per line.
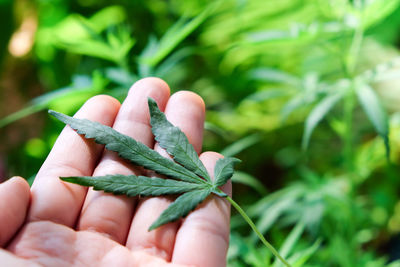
pixel 305 92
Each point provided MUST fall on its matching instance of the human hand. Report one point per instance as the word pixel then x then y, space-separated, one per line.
pixel 68 224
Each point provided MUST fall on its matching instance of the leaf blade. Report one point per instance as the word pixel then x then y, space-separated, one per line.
pixel 132 185
pixel 175 142
pixel 181 207
pixel 317 114
pixel 128 148
pixel 373 108
pixel 375 112
pixel 223 170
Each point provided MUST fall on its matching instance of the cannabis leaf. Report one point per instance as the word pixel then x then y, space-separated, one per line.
pixel 186 175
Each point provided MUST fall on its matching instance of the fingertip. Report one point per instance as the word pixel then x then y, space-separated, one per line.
pixel 186 110
pixel 211 156
pixel 106 108
pixel 20 184
pixel 189 97
pixel 108 103
pixel 15 196
pixel 158 85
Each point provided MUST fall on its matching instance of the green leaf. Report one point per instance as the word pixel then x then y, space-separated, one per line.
pixel 128 148
pixel 299 258
pixel 249 180
pixel 290 242
pixel 224 170
pixel 317 114
pixel 240 145
pixel 175 142
pixel 132 185
pixel 194 188
pixel 174 36
pixel 376 114
pixel 181 207
pixel 294 103
pixel 81 88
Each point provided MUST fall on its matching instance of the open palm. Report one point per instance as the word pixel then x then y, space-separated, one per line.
pixel 61 224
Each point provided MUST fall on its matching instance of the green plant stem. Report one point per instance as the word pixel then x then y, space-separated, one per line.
pixel 254 227
pixel 348 135
pixel 350 63
pixel 355 46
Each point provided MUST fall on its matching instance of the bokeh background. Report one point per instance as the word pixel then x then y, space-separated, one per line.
pixel 305 92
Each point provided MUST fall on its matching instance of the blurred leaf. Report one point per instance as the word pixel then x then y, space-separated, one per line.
pixel 317 114
pixel 299 258
pixel 273 75
pixel 385 7
pixel 63 99
pixel 293 104
pixel 376 114
pixel 165 67
pixel 249 180
pixel 240 250
pixel 110 15
pixel 290 242
pixel 174 36
pixel 114 48
pixel 209 126
pixel 22 113
pixel 271 214
pixel 120 76
pixel 264 95
pixel 240 145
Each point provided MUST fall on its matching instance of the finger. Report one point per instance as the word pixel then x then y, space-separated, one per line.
pixel 105 213
pixel 185 110
pixel 206 230
pixel 72 155
pixel 14 195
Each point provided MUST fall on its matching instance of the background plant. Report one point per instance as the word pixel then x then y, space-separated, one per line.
pixel 306 93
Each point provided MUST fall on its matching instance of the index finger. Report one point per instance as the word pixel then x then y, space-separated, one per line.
pixel 72 155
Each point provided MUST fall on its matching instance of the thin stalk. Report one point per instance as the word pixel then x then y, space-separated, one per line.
pixel 350 63
pixel 356 42
pixel 348 135
pixel 254 227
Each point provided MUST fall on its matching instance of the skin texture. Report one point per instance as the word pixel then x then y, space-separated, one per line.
pixel 61 224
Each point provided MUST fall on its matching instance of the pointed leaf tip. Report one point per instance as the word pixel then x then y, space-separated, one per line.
pixel 175 142
pixel 224 169
pixel 181 207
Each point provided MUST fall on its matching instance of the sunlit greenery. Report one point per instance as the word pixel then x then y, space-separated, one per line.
pixel 305 92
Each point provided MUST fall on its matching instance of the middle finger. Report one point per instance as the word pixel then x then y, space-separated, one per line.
pixel 105 213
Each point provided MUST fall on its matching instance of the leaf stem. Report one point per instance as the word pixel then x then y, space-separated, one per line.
pixel 348 119
pixel 255 229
